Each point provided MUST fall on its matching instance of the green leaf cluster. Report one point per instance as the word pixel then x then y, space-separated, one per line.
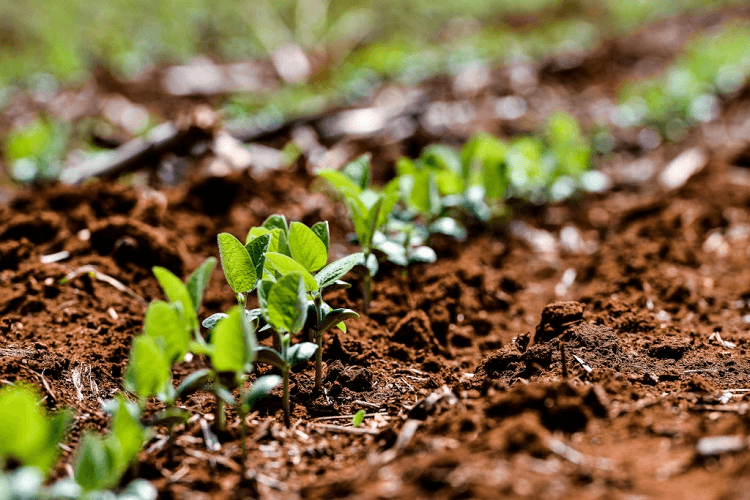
pixel 27 434
pixel 287 265
pixel 35 150
pixel 689 90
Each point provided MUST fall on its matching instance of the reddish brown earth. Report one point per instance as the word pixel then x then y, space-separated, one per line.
pixel 459 364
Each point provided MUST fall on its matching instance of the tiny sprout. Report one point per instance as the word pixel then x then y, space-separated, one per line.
pixel 358 418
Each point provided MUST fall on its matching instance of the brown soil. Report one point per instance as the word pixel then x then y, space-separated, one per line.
pixel 489 374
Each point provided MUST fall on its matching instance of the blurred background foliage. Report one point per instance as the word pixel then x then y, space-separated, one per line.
pixel 64 39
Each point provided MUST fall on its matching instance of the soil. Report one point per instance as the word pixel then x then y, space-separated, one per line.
pixel 596 348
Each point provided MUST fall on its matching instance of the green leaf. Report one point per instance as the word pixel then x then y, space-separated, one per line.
pixel 389 202
pixel 306 247
pixel 358 418
pixel 371 219
pixel 277 243
pixel 200 348
pixel 26 434
pixel 358 213
pixel 276 221
pixel 301 352
pixel 163 323
pixel 222 393
pixel 269 356
pixel 323 232
pixel 170 417
pixel 227 339
pixel 450 227
pixel 285 265
pixel 196 283
pixel 340 183
pixel 130 434
pixel 422 254
pixel 358 170
pixel 260 389
pixel 336 316
pixel 287 304
pixel 91 469
pixel 210 322
pixel 149 369
pixel 176 291
pixel 337 270
pixel 237 264
pixel 194 382
pixel 263 289
pixel 257 248
pixel 483 151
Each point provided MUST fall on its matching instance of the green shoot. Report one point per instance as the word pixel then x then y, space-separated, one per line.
pixel 358 418
pixel 101 462
pixel 368 210
pixel 284 307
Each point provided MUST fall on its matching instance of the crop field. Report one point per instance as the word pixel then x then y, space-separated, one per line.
pixel 375 250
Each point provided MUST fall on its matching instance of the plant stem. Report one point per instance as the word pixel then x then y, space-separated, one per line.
pixel 285 397
pixel 243 436
pixel 319 340
pixel 221 415
pixel 367 292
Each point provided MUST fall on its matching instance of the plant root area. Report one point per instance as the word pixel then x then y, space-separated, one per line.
pixel 596 348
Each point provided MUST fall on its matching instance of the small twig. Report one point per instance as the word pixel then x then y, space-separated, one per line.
pixel 214 459
pixel 106 279
pixel 564 361
pixel 212 442
pixel 340 429
pixel 45 384
pixel 266 480
pixel 407 433
pixel 16 352
pixel 583 364
pixel 740 409
pixel 366 404
pixel 344 417
pixel 576 457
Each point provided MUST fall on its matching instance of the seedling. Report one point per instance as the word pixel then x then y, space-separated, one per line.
pixel 284 307
pixel 28 436
pixel 101 462
pixel 368 210
pixel 168 329
pixel 358 418
pixel 274 250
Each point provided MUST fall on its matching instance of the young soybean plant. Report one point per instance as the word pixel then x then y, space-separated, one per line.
pixel 368 209
pixel 234 348
pixel 170 332
pixel 277 249
pixel 284 307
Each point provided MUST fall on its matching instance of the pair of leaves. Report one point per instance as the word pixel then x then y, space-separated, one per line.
pixel 27 433
pixel 296 249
